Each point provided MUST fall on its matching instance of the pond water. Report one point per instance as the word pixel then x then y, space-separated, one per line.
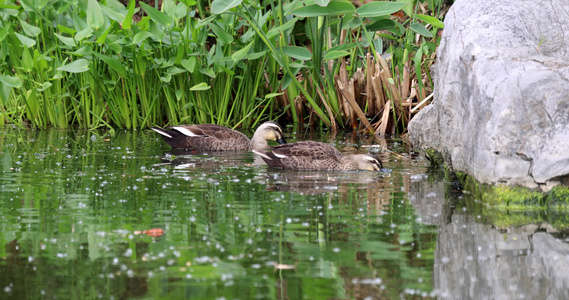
pixel 88 216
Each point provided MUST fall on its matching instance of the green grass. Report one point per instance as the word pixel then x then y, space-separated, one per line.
pixel 87 63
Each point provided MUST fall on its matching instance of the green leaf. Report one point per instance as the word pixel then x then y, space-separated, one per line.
pixel 66 30
pixel 221 6
pixel 344 47
pixel 113 63
pixel 333 9
pixel 4 32
pixel 27 60
pixel 420 29
pixel 225 37
pixel 378 45
pixel 166 78
pixel 382 24
pixel 242 53
pixel 256 55
pixel 335 54
pixel 175 71
pixel 296 65
pixel 157 16
pixel 379 9
pixel 431 20
pixel 322 2
pixel 208 72
pixel 200 87
pixel 408 8
pixel 83 34
pixel 44 86
pixel 113 14
pixel 95 17
pixel 273 95
pixel 78 66
pixel 189 64
pixel 30 29
pixel 141 36
pixel 25 40
pixel 103 37
pixel 296 52
pixel 13 82
pixel 66 40
pixel 127 23
pixel 286 26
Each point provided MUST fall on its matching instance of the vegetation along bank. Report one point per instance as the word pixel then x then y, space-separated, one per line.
pixel 92 64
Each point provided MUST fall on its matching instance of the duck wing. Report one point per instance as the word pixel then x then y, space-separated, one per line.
pixel 308 149
pixel 208 137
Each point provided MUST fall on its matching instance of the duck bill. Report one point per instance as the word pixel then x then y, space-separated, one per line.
pixel 281 141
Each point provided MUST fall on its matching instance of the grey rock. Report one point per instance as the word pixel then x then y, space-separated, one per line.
pixel 501 108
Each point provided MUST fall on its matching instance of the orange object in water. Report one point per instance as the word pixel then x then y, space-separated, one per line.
pixel 154 232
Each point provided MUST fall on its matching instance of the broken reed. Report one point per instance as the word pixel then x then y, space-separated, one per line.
pixel 238 66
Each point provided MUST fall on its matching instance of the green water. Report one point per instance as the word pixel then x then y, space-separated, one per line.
pixel 75 206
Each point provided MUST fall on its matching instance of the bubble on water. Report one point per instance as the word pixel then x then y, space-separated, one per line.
pixel 375 281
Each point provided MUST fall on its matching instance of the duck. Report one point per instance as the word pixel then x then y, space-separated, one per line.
pixel 311 155
pixel 211 137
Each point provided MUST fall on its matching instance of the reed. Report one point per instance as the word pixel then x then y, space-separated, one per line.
pixel 106 64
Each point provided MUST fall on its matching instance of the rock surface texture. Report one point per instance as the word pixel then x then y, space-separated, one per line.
pixel 501 103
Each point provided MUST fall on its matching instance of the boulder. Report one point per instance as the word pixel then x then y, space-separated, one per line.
pixel 501 101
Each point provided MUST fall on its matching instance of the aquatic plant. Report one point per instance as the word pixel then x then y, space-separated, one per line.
pixel 106 64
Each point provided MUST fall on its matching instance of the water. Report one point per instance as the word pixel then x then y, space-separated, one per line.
pixel 87 216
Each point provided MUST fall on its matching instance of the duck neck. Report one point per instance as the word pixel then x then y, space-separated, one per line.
pixel 258 142
pixel 348 163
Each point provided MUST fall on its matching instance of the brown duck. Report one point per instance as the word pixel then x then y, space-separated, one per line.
pixel 309 155
pixel 212 137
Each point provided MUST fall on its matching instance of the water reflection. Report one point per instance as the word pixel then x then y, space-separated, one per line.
pixel 77 209
pixel 477 260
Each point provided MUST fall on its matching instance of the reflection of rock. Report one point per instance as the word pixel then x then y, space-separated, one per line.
pixel 478 261
pixel 428 196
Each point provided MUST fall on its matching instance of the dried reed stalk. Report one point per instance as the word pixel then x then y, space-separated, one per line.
pixel 333 124
pixel 384 120
pixel 348 93
pixel 418 106
pixel 348 113
pixel 371 108
pixel 378 90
